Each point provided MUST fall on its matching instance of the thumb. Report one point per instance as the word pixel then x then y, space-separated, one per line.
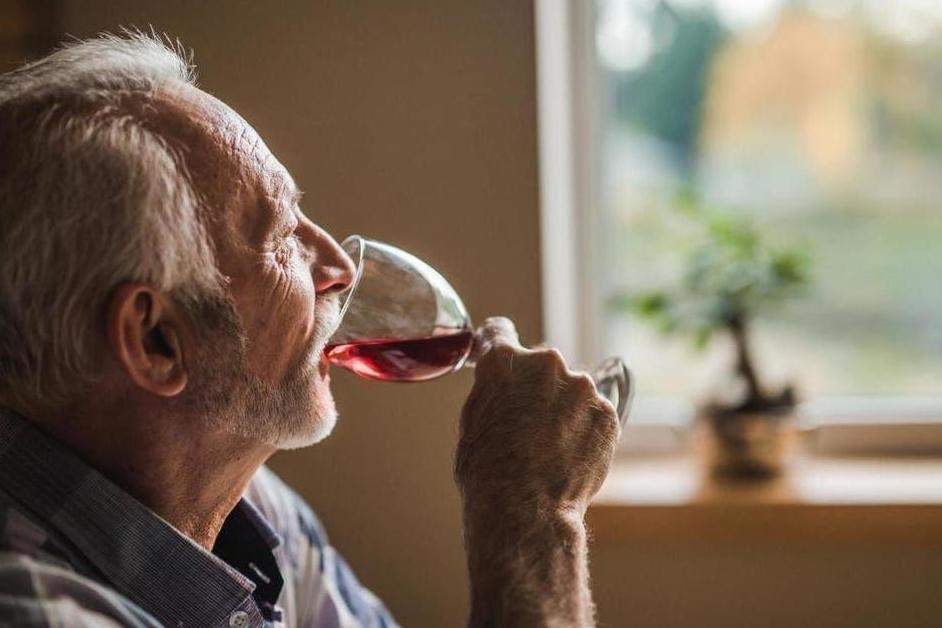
pixel 496 330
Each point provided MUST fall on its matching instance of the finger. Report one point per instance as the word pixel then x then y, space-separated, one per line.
pixel 497 330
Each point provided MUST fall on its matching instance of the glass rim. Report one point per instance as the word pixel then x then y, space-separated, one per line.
pixel 358 259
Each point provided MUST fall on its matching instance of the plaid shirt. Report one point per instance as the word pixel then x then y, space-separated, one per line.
pixel 76 550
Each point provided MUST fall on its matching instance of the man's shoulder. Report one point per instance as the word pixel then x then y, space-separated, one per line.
pixel 24 535
pixel 37 593
pixel 322 578
pixel 286 511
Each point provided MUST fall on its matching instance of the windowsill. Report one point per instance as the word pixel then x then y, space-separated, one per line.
pixel 821 499
pixel 678 481
pixel 874 425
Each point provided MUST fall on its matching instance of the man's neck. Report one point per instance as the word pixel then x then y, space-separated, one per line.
pixel 190 477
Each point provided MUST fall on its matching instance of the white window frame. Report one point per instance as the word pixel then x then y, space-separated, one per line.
pixel 567 141
pixel 568 132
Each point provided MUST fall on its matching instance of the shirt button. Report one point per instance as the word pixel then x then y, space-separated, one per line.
pixel 239 619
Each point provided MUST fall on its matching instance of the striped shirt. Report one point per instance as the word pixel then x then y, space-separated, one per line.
pixel 76 550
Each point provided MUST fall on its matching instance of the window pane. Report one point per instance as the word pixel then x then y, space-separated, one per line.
pixel 821 121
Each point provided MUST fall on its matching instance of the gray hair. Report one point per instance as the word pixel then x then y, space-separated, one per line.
pixel 91 196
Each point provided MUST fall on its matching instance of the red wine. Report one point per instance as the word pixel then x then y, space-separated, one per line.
pixel 411 360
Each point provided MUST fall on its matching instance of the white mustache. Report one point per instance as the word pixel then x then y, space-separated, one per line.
pixel 326 321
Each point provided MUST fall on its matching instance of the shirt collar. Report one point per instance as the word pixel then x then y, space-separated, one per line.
pixel 140 554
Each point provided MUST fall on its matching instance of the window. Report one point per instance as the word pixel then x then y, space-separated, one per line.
pixel 818 120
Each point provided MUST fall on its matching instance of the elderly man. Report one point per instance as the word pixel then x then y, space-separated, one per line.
pixel 164 306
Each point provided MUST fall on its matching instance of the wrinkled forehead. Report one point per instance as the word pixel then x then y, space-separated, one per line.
pixel 238 176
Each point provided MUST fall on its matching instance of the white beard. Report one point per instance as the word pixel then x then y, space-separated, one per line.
pixel 294 413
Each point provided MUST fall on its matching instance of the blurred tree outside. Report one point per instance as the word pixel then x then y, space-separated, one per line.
pixel 666 96
pixel 818 122
pixel 731 277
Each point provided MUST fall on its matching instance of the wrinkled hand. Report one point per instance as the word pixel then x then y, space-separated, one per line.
pixel 535 436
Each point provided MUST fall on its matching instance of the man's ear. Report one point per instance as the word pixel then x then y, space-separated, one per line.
pixel 144 331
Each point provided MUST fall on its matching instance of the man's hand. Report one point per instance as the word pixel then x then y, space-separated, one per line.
pixel 535 444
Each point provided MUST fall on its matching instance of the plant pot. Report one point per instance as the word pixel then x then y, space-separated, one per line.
pixel 748 445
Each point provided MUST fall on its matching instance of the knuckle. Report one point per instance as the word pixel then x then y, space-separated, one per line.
pixel 582 379
pixel 503 352
pixel 607 418
pixel 608 410
pixel 550 356
pixel 496 330
pixel 498 354
pixel 498 321
pixel 583 384
pixel 497 325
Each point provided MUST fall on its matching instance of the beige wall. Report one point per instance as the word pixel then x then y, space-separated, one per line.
pixel 413 122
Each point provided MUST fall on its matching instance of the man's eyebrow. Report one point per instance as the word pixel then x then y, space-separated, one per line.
pixel 295 194
pixel 290 193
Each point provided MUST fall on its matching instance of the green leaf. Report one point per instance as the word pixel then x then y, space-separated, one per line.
pixel 687 200
pixel 789 267
pixel 729 271
pixel 701 337
pixel 651 304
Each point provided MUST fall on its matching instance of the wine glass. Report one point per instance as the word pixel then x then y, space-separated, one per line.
pixel 401 321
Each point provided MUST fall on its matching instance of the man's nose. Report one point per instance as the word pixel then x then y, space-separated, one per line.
pixel 333 270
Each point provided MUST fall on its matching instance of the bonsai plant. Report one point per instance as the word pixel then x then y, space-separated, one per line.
pixel 729 277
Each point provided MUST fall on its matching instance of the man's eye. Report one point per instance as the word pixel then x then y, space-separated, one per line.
pixel 289 245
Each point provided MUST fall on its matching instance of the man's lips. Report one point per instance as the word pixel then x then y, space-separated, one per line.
pixel 323 365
